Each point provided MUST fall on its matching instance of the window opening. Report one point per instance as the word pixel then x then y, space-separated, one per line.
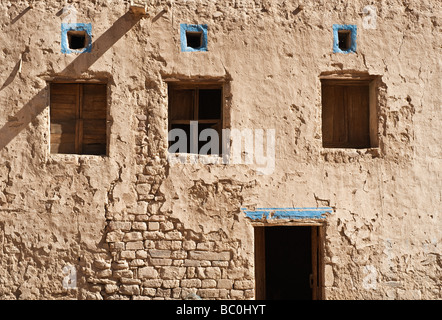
pixel 344 39
pixel 196 103
pixel 348 114
pixel 78 118
pixel 194 39
pixel 77 39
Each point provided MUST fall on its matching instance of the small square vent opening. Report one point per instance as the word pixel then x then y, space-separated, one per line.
pixel 194 39
pixel 77 39
pixel 344 38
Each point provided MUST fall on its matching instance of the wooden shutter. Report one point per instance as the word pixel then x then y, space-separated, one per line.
pixel 334 118
pixel 78 118
pixel 345 115
pixel 93 119
pixel 317 276
pixel 357 105
pixel 181 105
pixel 63 114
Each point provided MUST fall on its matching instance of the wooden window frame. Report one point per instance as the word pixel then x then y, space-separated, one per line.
pixel 371 83
pixel 79 120
pixel 196 86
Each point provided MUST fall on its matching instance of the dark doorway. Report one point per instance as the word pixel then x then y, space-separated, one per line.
pixel 288 263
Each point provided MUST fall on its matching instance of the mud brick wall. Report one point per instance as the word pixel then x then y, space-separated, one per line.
pixel 132 225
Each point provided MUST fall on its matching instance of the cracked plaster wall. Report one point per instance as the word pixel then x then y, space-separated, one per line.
pixel 134 227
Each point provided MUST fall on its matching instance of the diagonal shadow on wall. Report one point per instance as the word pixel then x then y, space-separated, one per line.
pixel 12 76
pixel 38 103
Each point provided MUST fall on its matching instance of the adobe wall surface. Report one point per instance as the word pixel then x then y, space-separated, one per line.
pixel 133 226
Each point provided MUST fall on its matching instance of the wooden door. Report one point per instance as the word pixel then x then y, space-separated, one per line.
pixel 260 267
pixel 301 266
pixel 317 276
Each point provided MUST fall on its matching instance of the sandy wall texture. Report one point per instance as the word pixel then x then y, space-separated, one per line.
pixel 132 224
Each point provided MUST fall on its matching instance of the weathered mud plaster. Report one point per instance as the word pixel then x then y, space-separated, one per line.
pixel 132 226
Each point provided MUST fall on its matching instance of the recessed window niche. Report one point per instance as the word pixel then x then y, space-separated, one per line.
pixel 193 37
pixel 349 111
pixel 76 37
pixel 344 38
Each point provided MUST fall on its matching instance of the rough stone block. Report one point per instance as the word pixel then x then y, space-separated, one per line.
pixel 208 283
pixel 167 226
pixel 212 272
pixel 115 236
pixel 169 245
pixel 120 265
pixel 165 293
pixel 149 292
pixel 120 225
pixel 124 280
pixel 122 273
pixel 136 245
pixel 191 283
pixel 133 236
pixel 169 284
pixel 152 283
pixel 224 294
pixel 189 245
pixel 237 294
pixel 104 273
pixel 208 293
pixel 153 225
pixel 249 294
pixel 141 226
pixel 130 289
pixel 179 254
pixel 127 254
pixel 116 246
pixel 147 273
pixel 137 263
pixel 196 263
pixel 205 255
pixel 170 273
pixel 223 264
pixel 205 246
pixel 141 254
pixel 160 253
pixel 111 288
pixel 244 284
pixel 142 217
pixel 101 264
pixel 160 262
pixel 143 189
pixel 153 235
pixel 173 235
pixel 224 284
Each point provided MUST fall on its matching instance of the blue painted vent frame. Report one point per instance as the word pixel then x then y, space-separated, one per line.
pixel 200 28
pixel 66 27
pixel 288 213
pixel 353 36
